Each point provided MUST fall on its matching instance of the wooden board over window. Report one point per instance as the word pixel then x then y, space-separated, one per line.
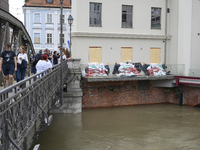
pixel 126 54
pixel 155 55
pixel 95 54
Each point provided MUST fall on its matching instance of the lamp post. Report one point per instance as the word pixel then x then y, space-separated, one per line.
pixel 61 50
pixel 70 21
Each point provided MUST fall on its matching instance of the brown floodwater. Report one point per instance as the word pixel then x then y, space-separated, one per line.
pixel 143 127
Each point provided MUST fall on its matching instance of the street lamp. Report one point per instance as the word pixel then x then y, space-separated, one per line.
pixel 70 21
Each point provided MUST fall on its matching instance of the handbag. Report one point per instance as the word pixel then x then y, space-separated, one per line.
pixel 24 64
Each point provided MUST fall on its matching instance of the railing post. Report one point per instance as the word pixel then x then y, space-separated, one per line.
pixel 177 81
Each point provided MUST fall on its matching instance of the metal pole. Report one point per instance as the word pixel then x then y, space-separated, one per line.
pixel 61 50
pixel 70 41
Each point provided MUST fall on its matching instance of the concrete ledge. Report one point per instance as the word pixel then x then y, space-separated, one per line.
pixel 120 35
pixel 115 78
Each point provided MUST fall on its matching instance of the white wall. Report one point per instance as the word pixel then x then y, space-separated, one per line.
pixel 140 36
pixel 184 33
pixel 111 16
pixel 183 26
pixel 111 49
pixel 195 43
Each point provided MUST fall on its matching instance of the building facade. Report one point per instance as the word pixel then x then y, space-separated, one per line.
pixel 149 31
pixel 42 21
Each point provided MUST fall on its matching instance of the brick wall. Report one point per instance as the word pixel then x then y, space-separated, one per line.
pixel 125 93
pixel 120 93
pixel 191 96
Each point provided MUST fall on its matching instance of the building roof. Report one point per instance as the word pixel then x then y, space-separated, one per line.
pixel 43 3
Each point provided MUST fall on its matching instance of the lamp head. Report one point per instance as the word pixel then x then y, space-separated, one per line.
pixel 70 19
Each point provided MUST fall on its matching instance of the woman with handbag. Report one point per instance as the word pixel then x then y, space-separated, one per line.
pixel 22 61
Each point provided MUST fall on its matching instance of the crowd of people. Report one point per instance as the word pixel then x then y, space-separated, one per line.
pixel 10 62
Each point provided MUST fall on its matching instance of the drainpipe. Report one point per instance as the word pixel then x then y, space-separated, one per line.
pixel 165 53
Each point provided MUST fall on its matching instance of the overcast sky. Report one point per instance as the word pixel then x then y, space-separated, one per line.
pixel 15 8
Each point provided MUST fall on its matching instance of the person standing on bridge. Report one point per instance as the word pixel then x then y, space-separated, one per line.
pixel 43 64
pixel 21 70
pixel 47 52
pixel 8 63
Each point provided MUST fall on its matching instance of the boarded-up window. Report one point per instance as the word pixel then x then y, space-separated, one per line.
pixel 126 54
pixel 155 55
pixel 95 54
pixel 36 37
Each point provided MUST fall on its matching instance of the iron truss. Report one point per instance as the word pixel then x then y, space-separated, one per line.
pixel 13 31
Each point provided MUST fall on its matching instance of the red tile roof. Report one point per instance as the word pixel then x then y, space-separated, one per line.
pixel 43 3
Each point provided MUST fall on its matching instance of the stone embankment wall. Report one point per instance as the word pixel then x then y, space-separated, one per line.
pixel 191 95
pixel 119 93
pixel 125 93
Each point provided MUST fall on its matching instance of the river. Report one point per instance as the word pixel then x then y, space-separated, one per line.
pixel 143 127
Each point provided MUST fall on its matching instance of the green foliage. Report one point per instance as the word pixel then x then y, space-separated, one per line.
pixel 26 1
pixel 112 89
pixel 176 90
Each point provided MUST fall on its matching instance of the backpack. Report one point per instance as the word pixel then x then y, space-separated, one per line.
pixel 37 58
pixel 24 64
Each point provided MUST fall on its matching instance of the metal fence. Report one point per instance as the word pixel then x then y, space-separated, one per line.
pixel 20 109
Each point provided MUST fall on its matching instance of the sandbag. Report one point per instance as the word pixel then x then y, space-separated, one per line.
pixel 115 70
pixel 108 69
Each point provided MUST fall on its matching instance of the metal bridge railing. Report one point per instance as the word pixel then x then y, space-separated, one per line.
pixel 20 109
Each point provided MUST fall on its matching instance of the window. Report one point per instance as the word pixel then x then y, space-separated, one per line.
pixel 126 54
pixel 37 38
pixel 155 55
pixel 49 1
pixel 155 18
pixel 63 18
pixel 37 17
pixel 127 15
pixel 95 54
pixel 63 38
pixel 49 18
pixel 95 14
pixel 49 38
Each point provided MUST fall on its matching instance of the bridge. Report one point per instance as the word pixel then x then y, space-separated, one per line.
pixel 25 113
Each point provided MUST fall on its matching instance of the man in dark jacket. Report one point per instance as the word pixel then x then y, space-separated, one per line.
pixel 55 58
pixel 8 64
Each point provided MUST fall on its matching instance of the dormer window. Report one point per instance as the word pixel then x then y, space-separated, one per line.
pixel 50 1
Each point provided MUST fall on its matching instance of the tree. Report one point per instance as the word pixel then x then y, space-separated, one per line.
pixel 26 1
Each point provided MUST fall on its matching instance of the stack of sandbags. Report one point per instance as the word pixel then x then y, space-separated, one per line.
pixel 156 70
pixel 95 70
pixel 126 69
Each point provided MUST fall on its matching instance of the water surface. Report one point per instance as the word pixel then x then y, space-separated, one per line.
pixel 144 127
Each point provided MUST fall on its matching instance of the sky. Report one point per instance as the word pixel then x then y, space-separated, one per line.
pixel 15 8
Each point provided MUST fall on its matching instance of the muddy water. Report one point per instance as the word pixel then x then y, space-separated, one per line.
pixel 145 127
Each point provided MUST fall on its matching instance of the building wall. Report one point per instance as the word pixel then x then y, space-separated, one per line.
pixel 113 94
pixel 178 33
pixel 126 93
pixel 43 28
pixel 111 18
pixel 195 41
pixel 111 48
pixel 111 36
pixel 172 31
